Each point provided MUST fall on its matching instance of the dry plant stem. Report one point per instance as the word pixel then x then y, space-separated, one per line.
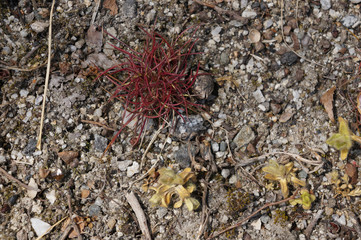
pixel 38 145
pixel 99 124
pixel 222 11
pixel 205 212
pixel 22 69
pixel 51 228
pixel 11 178
pixel 313 223
pixel 95 11
pixel 142 220
pixel 66 233
pixel 155 135
pixel 244 220
pixel 356 223
pixel 288 46
pixel 74 225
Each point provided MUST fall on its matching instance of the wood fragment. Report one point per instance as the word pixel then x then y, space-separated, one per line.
pixel 313 223
pixel 99 124
pixel 11 178
pixel 142 220
pixel 74 225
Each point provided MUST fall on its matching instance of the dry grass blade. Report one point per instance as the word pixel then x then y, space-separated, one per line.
pixel 11 178
pixel 38 144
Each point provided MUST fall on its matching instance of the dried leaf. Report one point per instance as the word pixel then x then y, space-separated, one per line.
pixel 112 6
pixel 326 100
pixel 94 38
pixel 68 156
pixel 351 171
pixel 43 173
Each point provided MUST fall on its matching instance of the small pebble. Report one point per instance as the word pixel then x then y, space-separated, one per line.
pixel 233 179
pixel 94 210
pixel 123 165
pixel 225 173
pixel 39 26
pixel 100 143
pixel 215 146
pixel 248 13
pixel 325 4
pixel 349 21
pixel 134 169
pixel 289 58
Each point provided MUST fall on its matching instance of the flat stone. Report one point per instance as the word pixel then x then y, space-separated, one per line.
pixel 100 143
pixel 325 4
pixel 258 95
pixel 349 21
pixel 244 136
pixel 225 173
pixel 30 147
pixel 130 8
pixel 248 13
pixel 94 210
pixel 39 26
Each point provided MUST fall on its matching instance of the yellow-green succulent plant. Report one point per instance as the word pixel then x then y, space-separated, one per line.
pixel 342 140
pixel 305 200
pixel 171 183
pixel 283 174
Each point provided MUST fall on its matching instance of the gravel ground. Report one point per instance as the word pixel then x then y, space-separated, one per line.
pixel 262 102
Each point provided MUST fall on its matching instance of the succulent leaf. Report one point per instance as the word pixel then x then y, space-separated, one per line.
pixel 343 139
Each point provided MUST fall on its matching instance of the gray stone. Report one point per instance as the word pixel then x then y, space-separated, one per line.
pixel 94 210
pixel 349 21
pixel 215 146
pixel 216 31
pixel 268 23
pixel 189 125
pixel 30 147
pixel 182 156
pixel 130 8
pixel 356 1
pixel 244 136
pixel 6 50
pixel 325 4
pixel 244 3
pixel 248 13
pixel 100 143
pixel 258 95
pixel 24 93
pixel 289 58
pixel 223 146
pixel 224 58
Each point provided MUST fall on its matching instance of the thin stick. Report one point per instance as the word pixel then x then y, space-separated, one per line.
pixel 244 220
pixel 313 223
pixel 150 144
pixel 99 124
pixel 142 220
pixel 38 145
pixel 11 178
pixel 23 69
pixel 51 228
pixel 74 225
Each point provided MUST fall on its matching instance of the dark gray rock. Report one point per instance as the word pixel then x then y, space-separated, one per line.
pixel 30 147
pixel 94 210
pixel 289 58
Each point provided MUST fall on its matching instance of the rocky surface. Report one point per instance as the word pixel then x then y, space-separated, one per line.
pixel 264 98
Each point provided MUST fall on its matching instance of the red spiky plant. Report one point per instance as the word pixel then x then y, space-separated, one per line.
pixel 153 82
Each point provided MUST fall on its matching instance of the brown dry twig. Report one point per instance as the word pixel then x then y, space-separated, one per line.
pixel 74 225
pixel 221 11
pixel 99 124
pixel 313 223
pixel 11 178
pixel 244 220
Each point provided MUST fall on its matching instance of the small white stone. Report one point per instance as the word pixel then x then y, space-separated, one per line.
pixel 24 93
pixel 225 173
pixel 51 196
pixel 257 224
pixel 39 26
pixel 133 169
pixel 39 226
pixel 233 179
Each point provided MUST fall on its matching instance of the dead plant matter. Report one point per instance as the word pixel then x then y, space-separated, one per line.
pixel 154 82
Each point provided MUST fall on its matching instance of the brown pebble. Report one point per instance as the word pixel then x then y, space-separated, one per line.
pixel 351 171
pixel 287 30
pixel 292 23
pixel 258 46
pixel 276 108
